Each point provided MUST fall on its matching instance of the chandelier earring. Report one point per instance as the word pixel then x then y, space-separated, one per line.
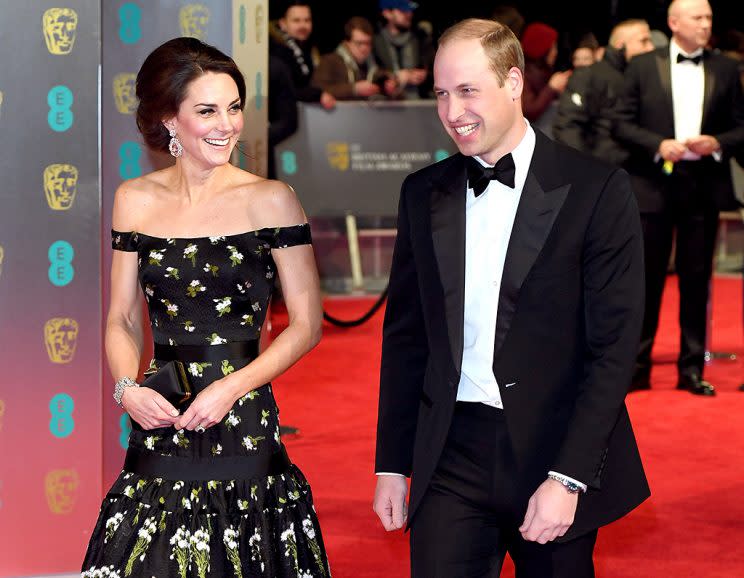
pixel 174 146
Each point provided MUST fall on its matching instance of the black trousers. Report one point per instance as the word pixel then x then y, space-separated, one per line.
pixel 693 217
pixel 469 517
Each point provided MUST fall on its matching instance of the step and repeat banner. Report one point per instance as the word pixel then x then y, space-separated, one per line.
pixel 50 283
pixel 354 158
pixel 67 70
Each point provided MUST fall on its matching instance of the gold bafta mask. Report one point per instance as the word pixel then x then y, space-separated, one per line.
pixel 338 155
pixel 1 103
pixel 259 16
pixel 60 25
pixel 60 186
pixel 124 92
pixel 60 337
pixel 61 490
pixel 2 258
pixel 2 413
pixel 194 19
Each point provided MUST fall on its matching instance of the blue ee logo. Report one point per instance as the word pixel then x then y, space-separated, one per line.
pixel 61 270
pixel 59 99
pixel 440 155
pixel 125 428
pixel 61 424
pixel 130 153
pixel 289 162
pixel 130 16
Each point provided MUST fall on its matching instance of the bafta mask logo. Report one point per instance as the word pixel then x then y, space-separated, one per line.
pixel 2 258
pixel 338 155
pixel 60 26
pixel 61 490
pixel 60 186
pixel 194 19
pixel 2 413
pixel 60 337
pixel 124 92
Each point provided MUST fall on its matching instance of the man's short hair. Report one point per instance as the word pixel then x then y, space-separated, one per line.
pixel 357 23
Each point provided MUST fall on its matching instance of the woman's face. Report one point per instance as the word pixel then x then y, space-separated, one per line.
pixel 209 120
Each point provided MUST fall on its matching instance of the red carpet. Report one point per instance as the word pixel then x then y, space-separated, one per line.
pixel 693 526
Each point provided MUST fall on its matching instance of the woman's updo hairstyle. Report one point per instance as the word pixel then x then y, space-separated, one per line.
pixel 163 81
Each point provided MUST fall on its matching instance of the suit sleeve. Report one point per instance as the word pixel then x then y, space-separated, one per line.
pixel 613 313
pixel 627 128
pixel 404 355
pixel 732 140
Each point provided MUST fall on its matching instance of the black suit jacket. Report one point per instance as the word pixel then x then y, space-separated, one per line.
pixel 645 117
pixel 569 317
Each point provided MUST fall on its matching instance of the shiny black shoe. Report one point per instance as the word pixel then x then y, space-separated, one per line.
pixel 697 385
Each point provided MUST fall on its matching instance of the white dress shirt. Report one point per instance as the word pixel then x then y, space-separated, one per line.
pixel 688 89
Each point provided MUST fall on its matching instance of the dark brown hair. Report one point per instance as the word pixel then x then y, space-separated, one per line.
pixel 163 80
pixel 357 23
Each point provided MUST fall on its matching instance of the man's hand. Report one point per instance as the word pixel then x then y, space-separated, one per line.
pixel 390 501
pixel 327 100
pixel 703 145
pixel 672 150
pixel 366 88
pixel 550 513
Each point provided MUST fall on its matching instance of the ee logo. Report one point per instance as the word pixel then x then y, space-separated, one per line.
pixel 259 91
pixel 289 162
pixel 61 270
pixel 130 16
pixel 61 424
pixel 125 427
pixel 440 155
pixel 60 116
pixel 129 160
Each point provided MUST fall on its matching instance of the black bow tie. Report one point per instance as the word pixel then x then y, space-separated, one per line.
pixel 479 176
pixel 694 59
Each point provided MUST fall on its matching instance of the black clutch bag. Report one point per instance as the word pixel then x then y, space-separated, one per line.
pixel 171 382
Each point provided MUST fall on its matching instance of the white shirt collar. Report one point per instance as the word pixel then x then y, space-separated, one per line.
pixel 674 50
pixel 522 155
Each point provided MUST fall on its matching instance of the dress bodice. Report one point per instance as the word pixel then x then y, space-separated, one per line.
pixel 208 290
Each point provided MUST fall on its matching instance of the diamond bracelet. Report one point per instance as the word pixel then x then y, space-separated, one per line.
pixel 571 487
pixel 120 386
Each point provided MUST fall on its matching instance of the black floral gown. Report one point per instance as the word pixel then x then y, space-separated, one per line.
pixel 204 292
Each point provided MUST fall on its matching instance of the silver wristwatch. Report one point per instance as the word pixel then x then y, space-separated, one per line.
pixel 120 386
pixel 571 487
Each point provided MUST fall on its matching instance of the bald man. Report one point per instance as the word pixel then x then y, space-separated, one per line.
pixel 584 117
pixel 682 116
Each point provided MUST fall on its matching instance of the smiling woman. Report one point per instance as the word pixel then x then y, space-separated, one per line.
pixel 207 485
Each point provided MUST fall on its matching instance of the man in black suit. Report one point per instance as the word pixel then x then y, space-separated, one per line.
pixel 682 117
pixel 512 323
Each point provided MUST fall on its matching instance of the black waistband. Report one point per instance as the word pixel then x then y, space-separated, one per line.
pixel 212 353
pixel 152 465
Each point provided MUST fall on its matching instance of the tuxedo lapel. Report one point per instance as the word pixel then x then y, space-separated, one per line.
pixel 664 70
pixel 536 213
pixel 709 88
pixel 448 236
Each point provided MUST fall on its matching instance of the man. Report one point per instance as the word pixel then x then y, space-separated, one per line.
pixel 351 73
pixel 585 109
pixel 406 51
pixel 290 41
pixel 682 116
pixel 512 322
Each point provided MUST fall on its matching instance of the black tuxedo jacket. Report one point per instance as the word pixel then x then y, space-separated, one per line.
pixel 645 117
pixel 569 317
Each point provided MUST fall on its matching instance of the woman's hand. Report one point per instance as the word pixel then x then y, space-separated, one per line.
pixel 148 408
pixel 210 406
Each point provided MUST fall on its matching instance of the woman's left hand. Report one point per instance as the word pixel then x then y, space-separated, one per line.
pixel 209 407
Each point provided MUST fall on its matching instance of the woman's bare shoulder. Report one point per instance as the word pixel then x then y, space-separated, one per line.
pixel 276 204
pixel 134 197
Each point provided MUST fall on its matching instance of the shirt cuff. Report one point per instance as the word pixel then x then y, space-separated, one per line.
pixel 577 482
pixel 717 155
pixel 389 474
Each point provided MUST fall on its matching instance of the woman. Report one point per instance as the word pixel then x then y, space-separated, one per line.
pixel 207 488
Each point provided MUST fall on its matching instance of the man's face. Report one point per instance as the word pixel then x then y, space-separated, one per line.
pixel 637 41
pixel 691 23
pixel 482 117
pixel 297 22
pixel 360 45
pixel 400 19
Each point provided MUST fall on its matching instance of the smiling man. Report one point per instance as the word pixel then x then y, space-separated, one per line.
pixel 513 316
